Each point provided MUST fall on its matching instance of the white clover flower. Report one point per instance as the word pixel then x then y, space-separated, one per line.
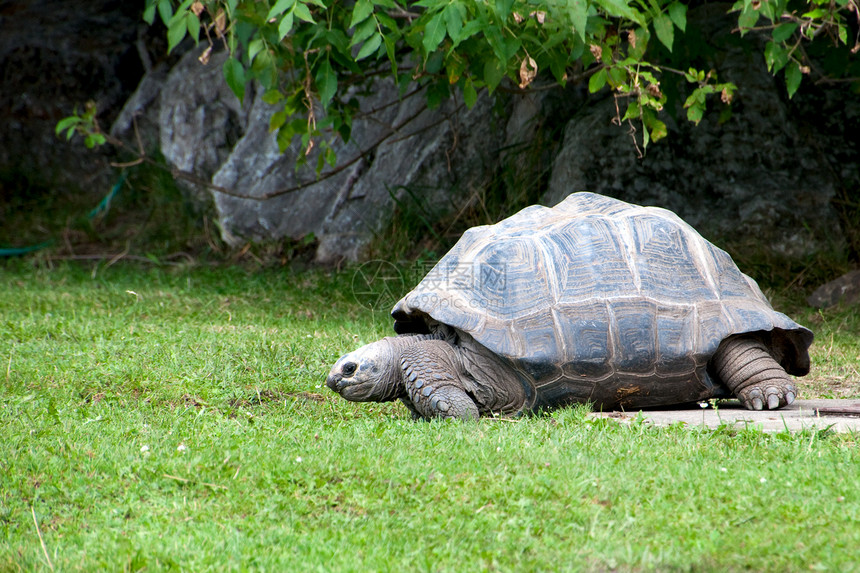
pixel 298 459
pixel 723 470
pixel 762 480
pixel 181 448
pixel 144 449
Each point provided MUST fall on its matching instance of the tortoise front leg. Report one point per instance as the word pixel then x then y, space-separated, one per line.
pixel 433 382
pixel 746 366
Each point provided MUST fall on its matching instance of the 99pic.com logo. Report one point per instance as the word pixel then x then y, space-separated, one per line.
pixel 378 285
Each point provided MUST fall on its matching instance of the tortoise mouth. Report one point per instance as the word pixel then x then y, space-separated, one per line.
pixel 351 390
pixel 337 383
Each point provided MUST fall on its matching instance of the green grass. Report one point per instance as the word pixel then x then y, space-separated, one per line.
pixel 157 419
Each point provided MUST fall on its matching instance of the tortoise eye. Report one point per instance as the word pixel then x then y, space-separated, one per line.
pixel 349 368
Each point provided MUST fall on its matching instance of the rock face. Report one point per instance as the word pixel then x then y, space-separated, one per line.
pixel 758 175
pixel 55 56
pixel 395 149
pixel 770 173
pixel 844 290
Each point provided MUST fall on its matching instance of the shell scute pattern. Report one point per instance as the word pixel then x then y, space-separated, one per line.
pixel 594 292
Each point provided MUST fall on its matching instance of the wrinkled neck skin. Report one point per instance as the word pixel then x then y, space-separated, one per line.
pixel 390 382
pixel 488 379
pixel 390 385
pixel 496 386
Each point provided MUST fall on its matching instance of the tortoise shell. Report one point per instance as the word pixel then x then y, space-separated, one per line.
pixel 599 300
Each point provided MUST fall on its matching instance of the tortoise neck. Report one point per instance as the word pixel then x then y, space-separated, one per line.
pixel 394 385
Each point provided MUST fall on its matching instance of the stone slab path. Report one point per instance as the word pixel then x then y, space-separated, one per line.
pixel 838 415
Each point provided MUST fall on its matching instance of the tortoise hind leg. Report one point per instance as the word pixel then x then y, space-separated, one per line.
pixel 745 365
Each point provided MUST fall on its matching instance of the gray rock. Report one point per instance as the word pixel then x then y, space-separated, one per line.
pixel 844 290
pixel 394 149
pixel 200 118
pixel 746 178
pixel 753 179
pixel 137 124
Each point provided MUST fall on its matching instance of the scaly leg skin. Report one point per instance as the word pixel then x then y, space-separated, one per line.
pixel 432 380
pixel 746 366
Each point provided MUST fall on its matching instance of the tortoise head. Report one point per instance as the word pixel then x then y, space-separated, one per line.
pixel 369 374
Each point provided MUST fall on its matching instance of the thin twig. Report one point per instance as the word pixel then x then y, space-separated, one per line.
pixel 114 258
pixel 185 480
pixel 42 541
pixel 179 174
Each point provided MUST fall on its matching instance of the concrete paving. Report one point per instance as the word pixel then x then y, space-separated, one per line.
pixel 837 415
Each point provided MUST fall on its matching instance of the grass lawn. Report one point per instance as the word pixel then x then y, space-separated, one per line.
pixel 157 419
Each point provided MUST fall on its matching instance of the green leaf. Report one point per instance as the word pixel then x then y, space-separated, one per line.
pixel 234 75
pixel 149 13
pixel 597 81
pixel 843 34
pixel 330 156
pixel 621 9
pixel 643 36
pixel 504 48
pixel 362 10
pixel 278 119
pixel 471 28
pixel 67 123
pixel 503 9
pixel 434 62
pixel 665 30
pixel 434 33
pixel 326 80
pixel 776 56
pixel 646 137
pixel 678 14
pixel 193 24
pixel 747 19
pixel 364 30
pixel 176 33
pixel 454 16
pixel 272 97
pixel 369 47
pixel 493 73
pixel 633 111
pixel 816 13
pixel 793 76
pixel 94 139
pixel 695 113
pixel 302 12
pixel 470 94
pixel 254 48
pixel 578 11
pixel 279 8
pixel 784 31
pixel 285 25
pixel 165 11
pixel 180 12
pixel 617 76
pixel 658 130
pixel 390 47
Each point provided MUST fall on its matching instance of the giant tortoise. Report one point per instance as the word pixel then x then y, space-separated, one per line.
pixel 592 301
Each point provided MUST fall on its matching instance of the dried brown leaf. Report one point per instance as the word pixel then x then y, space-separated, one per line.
pixel 528 71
